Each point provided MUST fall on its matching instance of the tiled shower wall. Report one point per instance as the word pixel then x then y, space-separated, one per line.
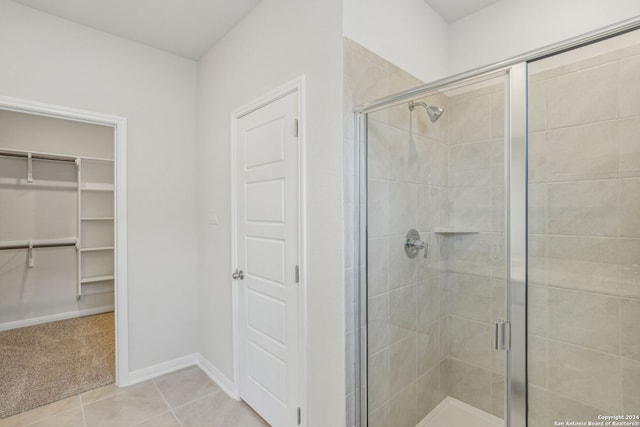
pixel 584 239
pixel 366 77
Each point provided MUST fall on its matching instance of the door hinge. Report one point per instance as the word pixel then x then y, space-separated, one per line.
pixel 502 335
pixel 297 274
pixel 299 416
pixel 296 127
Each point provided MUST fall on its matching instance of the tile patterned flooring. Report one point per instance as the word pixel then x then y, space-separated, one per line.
pixel 185 398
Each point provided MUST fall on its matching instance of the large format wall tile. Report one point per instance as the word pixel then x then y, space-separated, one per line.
pixel 377 323
pixel 538 309
pixel 582 263
pixel 378 150
pixel 538 407
pixel 403 203
pixel 402 269
pixel 429 393
pixel 469 254
pixel 470 297
pixel 428 348
pixel 470 119
pixel 630 329
pixel 402 312
pixel 378 380
pixel 586 376
pixel 497 395
pixel 402 364
pixel 470 341
pixel 403 156
pixel 582 208
pixel 629 86
pixel 378 266
pixel 468 383
pixel 563 409
pixel 629 147
pixel 403 409
pixel 471 208
pixel 629 268
pixel 537 105
pixel 585 319
pixel 429 304
pixel 471 164
pixel 379 417
pixel 585 96
pixel 378 208
pixel 537 358
pixel 582 152
pixel 630 389
pixel 629 207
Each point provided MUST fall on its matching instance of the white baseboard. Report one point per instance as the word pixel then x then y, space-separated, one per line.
pixel 55 317
pixel 194 359
pixel 218 377
pixel 163 368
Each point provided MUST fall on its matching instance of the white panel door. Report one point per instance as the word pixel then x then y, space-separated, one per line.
pixel 267 252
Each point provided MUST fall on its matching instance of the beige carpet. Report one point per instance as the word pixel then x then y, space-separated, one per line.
pixel 49 362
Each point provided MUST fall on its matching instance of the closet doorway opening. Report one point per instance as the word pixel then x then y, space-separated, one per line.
pixel 63 306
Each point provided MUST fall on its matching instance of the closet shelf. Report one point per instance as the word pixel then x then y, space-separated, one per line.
pixel 97 218
pixel 447 230
pixel 97 279
pixel 96 187
pixel 96 249
pixel 97 288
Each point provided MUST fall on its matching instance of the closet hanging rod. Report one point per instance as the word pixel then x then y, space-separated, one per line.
pixel 38 157
pixel 38 244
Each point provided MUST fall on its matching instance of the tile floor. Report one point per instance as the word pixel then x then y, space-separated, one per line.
pixel 185 398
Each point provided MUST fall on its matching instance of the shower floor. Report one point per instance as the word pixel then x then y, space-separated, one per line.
pixel 454 413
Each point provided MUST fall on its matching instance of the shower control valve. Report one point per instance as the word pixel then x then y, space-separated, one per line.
pixel 413 244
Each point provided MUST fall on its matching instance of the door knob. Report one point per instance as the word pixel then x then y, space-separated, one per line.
pixel 238 274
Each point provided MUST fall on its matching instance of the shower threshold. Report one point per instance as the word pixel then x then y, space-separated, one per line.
pixel 454 413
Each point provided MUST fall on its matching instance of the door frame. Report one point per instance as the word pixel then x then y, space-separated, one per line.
pixel 119 125
pixel 297 85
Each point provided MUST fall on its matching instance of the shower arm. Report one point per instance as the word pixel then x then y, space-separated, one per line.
pixel 412 105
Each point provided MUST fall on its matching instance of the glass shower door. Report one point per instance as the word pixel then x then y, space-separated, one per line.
pixel 584 235
pixel 435 254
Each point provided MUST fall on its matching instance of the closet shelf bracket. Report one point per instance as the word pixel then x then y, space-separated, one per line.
pixel 29 167
pixel 31 261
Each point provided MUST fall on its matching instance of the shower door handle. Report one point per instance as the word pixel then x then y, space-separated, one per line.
pixel 502 336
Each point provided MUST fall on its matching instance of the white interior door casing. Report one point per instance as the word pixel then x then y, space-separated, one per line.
pixel 267 248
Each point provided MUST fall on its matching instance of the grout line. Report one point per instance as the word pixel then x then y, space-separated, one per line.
pixel 581 347
pixel 84 418
pixel 166 403
pixel 198 398
pixel 44 418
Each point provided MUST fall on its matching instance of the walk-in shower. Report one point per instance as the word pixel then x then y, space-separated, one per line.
pixel 498 245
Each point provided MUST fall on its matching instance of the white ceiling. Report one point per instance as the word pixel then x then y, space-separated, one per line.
pixel 185 27
pixel 453 10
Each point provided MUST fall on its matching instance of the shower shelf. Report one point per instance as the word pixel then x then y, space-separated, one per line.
pixel 446 230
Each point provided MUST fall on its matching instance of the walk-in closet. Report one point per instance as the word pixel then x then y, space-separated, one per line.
pixel 57 335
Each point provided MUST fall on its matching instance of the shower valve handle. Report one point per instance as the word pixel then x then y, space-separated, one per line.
pixel 413 244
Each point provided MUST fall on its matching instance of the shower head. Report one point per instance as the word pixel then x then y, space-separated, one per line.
pixel 433 111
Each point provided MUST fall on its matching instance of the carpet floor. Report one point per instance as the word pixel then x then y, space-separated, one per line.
pixel 49 362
